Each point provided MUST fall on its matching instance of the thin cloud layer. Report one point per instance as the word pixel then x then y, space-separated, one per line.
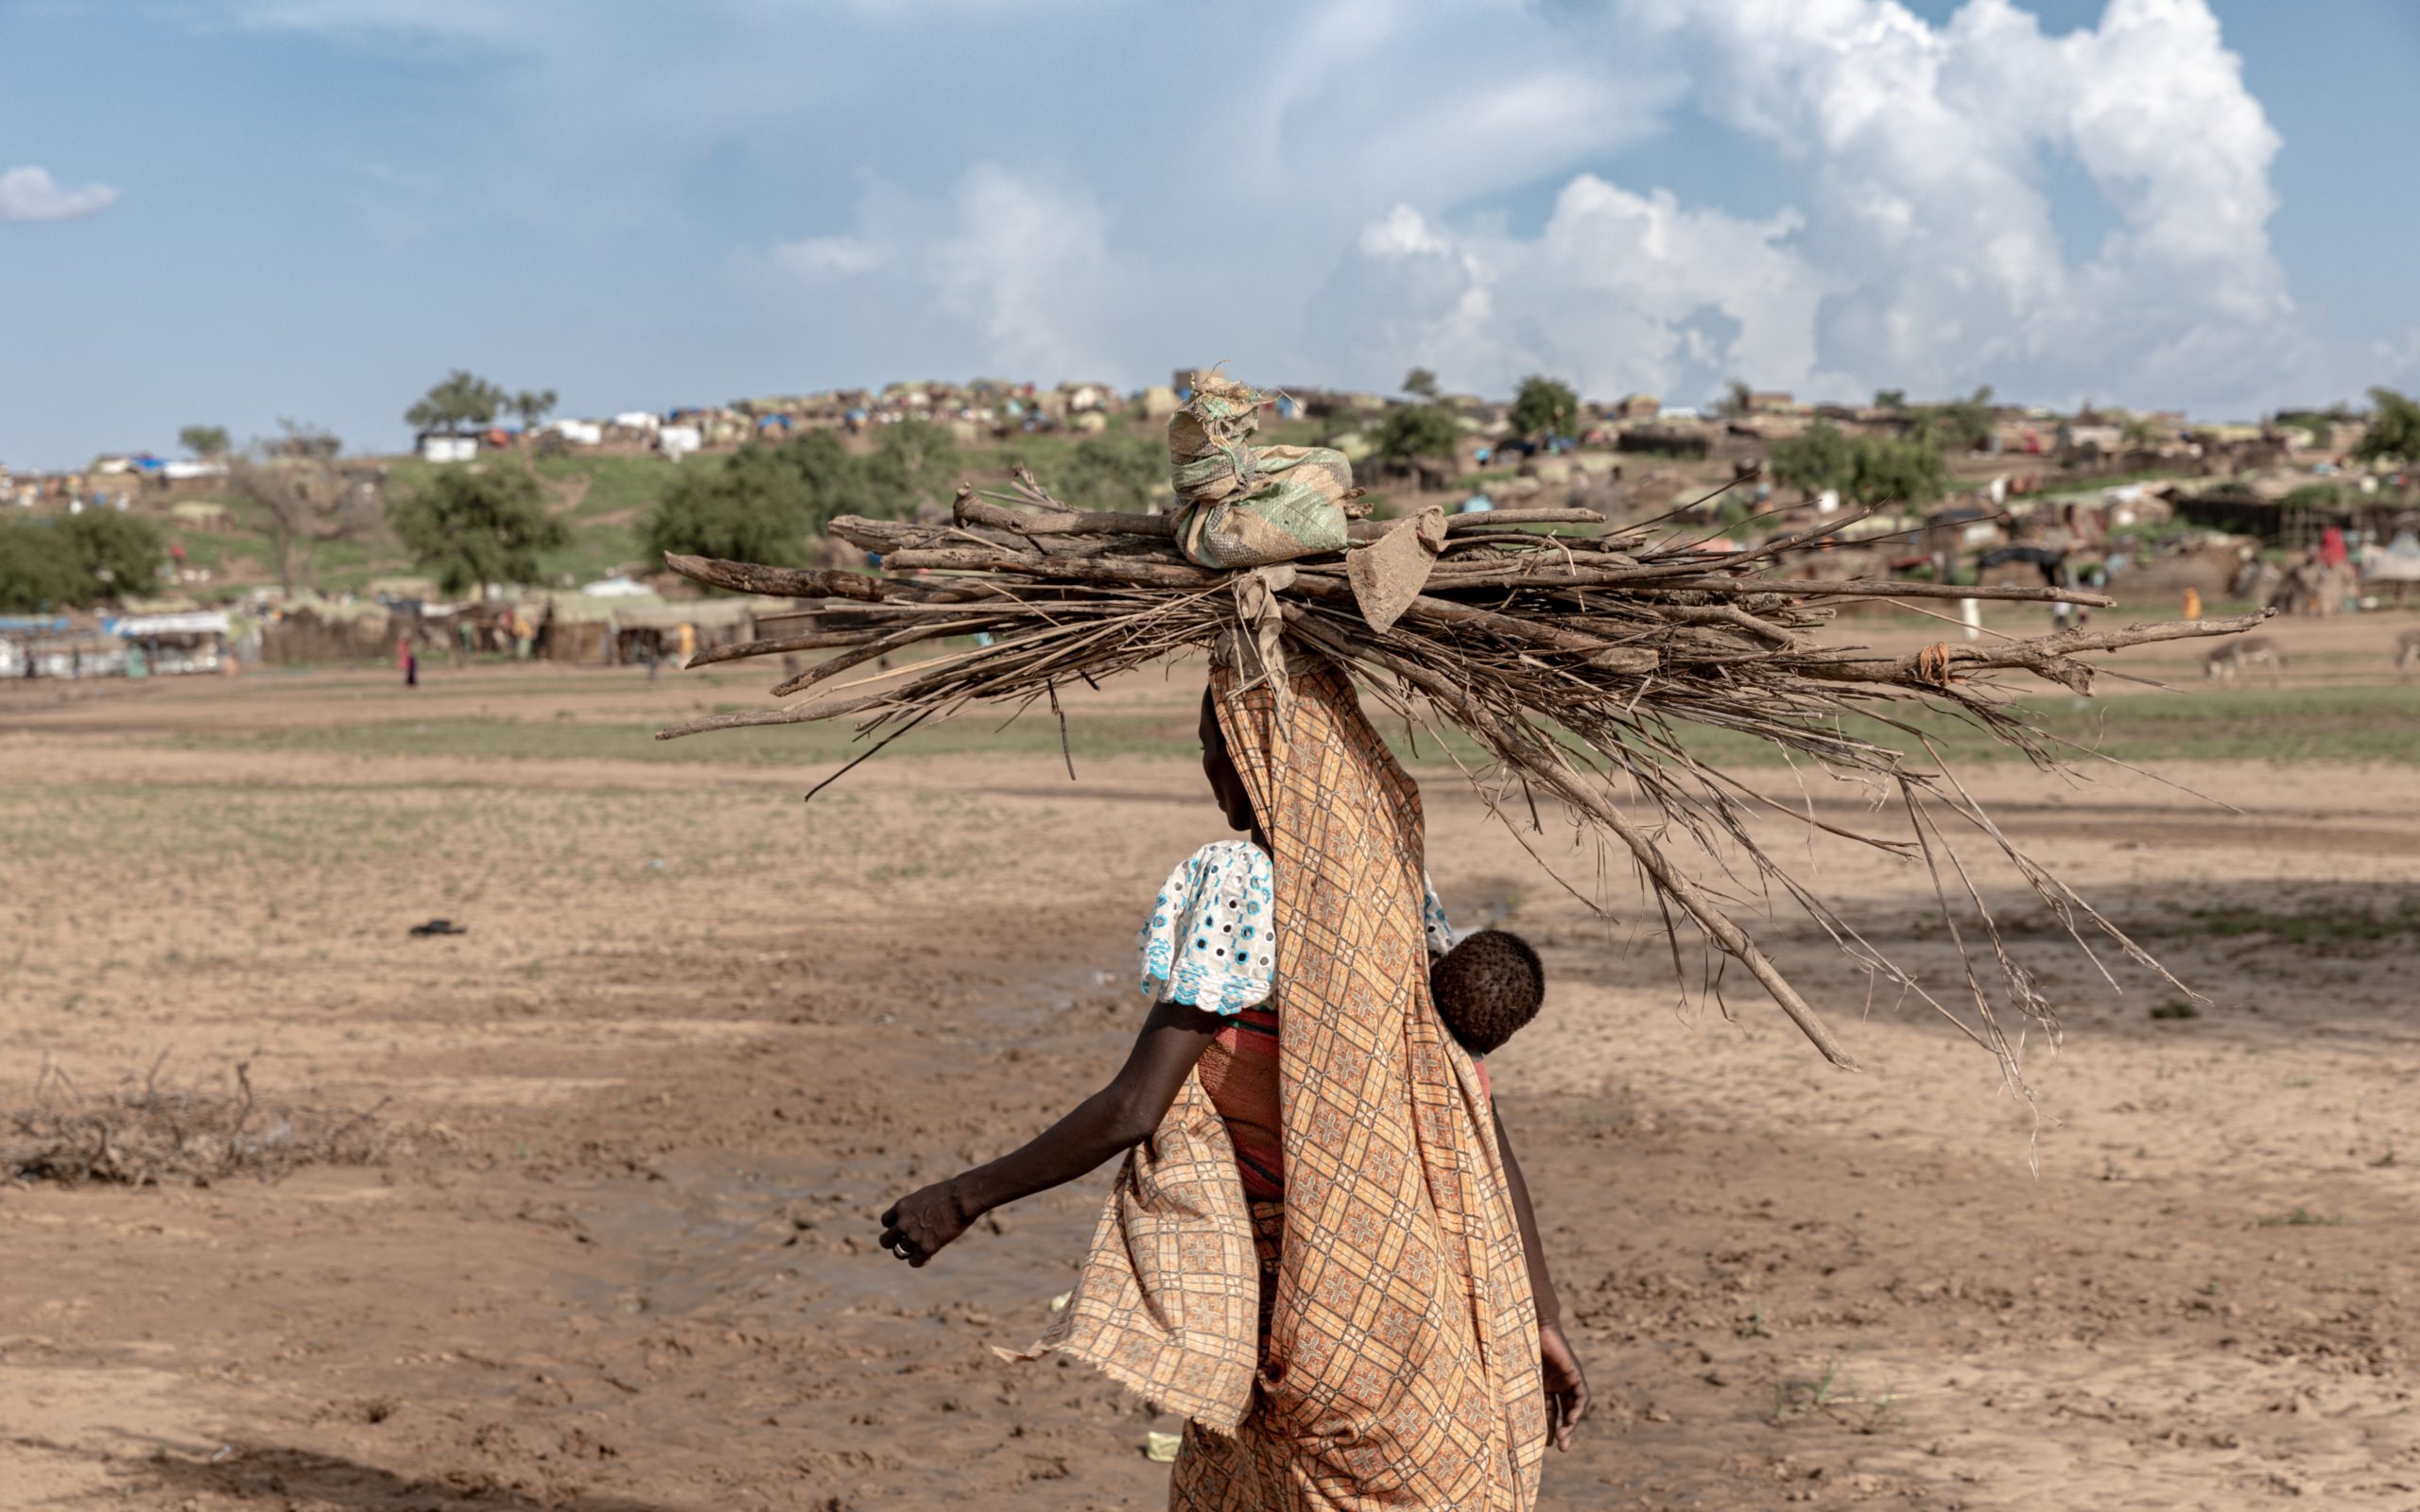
pixel 30 193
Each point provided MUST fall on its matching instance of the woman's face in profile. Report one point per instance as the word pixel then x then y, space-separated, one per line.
pixel 1226 784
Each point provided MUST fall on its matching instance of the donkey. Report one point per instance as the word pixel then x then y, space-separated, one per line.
pixel 2229 662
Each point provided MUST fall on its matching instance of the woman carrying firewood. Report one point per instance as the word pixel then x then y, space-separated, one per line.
pixel 1321 1253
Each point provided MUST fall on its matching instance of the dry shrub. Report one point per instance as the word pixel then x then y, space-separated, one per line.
pixel 146 1131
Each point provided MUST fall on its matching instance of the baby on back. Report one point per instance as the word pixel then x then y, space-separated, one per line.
pixel 1487 987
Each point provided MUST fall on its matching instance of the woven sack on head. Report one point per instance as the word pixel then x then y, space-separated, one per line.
pixel 1246 506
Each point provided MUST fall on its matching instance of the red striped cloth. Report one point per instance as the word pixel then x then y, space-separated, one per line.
pixel 1240 1072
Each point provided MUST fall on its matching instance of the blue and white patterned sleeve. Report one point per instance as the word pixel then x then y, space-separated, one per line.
pixel 1209 942
pixel 1432 919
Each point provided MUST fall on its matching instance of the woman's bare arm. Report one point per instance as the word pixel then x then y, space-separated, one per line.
pixel 1567 1384
pixel 1108 1122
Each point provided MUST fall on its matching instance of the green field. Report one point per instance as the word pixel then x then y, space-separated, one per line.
pixel 2295 725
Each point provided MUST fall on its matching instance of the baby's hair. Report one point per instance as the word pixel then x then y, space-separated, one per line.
pixel 1487 987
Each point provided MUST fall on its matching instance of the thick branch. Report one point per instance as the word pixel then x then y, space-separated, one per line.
pixel 971 510
pixel 778 583
pixel 2052 656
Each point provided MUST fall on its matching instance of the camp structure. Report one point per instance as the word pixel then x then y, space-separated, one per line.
pixel 1580 661
pixel 191 641
pixel 59 645
pixel 319 629
pixel 715 624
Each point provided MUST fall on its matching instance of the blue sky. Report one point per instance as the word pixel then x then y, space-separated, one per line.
pixel 229 211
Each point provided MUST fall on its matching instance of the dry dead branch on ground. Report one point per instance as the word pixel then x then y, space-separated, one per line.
pixel 146 1131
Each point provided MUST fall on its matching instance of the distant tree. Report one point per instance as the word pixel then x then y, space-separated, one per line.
pixel 2138 431
pixel 52 562
pixel 913 461
pixel 755 509
pixel 1894 472
pixel 203 440
pixel 1115 473
pixel 38 569
pixel 1410 432
pixel 1544 407
pixel 301 499
pixel 1890 399
pixel 473 527
pixel 302 440
pixel 533 406
pixel 2394 429
pixel 1736 400
pixel 462 402
pixel 769 501
pixel 1817 458
pixel 122 552
pixel 1420 383
pixel 1960 425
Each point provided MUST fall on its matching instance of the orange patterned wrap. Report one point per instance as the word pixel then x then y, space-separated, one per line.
pixel 1385 1302
pixel 1401 1363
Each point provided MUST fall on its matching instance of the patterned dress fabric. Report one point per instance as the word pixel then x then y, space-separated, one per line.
pixel 1371 1342
pixel 1209 944
pixel 1400 1364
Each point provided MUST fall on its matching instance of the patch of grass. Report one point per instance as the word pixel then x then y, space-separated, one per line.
pixel 2142 729
pixel 2309 926
pixel 2271 724
pixel 2175 1008
pixel 2299 1217
pixel 491 739
pixel 1830 1396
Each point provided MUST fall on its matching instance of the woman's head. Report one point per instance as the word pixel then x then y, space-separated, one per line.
pixel 1226 784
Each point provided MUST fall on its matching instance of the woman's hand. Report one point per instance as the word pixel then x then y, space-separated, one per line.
pixel 918 1224
pixel 1566 1383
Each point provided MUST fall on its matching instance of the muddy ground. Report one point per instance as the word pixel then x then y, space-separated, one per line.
pixel 618 1253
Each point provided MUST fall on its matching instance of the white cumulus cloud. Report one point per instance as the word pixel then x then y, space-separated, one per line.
pixel 1620 292
pixel 1920 248
pixel 1004 271
pixel 30 193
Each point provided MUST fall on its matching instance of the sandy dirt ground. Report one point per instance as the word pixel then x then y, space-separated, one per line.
pixel 618 1256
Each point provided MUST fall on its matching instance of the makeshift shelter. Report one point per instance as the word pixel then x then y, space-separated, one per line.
pixel 1575 659
pixel 193 641
pixel 325 631
pixel 713 622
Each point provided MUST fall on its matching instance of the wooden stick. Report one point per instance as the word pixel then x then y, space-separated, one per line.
pixel 779 582
pixel 831 666
pixel 1870 588
pixel 1121 570
pixel 971 510
pixel 2052 656
pixel 815 640
pixel 1489 519
pixel 1531 632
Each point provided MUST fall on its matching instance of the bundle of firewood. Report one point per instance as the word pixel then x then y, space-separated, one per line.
pixel 1576 657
